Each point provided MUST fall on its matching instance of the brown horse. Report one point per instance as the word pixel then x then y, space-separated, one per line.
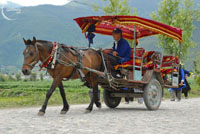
pixel 39 50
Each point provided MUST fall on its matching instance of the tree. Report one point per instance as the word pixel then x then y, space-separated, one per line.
pixel 197 68
pixel 116 7
pixel 178 14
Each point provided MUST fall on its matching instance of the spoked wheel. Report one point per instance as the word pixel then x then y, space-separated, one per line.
pixel 153 94
pixel 111 102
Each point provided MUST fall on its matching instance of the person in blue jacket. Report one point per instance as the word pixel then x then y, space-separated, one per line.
pixel 121 50
pixel 182 85
pixel 187 88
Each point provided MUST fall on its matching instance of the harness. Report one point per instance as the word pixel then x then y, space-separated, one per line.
pixel 50 57
pixel 55 57
pixel 77 66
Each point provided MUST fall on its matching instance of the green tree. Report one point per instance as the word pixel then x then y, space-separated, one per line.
pixel 116 7
pixel 177 13
pixel 197 68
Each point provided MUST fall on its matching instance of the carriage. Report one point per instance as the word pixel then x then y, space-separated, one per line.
pixel 147 71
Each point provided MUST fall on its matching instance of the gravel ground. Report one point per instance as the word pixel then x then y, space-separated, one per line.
pixel 172 118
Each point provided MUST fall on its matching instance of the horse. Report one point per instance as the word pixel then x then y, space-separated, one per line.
pixel 41 51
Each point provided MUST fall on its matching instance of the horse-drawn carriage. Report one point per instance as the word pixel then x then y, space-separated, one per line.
pixel 146 71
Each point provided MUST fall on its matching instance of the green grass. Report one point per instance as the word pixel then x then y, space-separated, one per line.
pixel 22 94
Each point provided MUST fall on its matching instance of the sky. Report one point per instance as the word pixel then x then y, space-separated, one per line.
pixel 36 2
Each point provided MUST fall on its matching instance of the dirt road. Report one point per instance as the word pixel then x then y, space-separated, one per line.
pixel 172 117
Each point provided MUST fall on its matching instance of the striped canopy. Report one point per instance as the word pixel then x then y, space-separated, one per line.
pixel 144 27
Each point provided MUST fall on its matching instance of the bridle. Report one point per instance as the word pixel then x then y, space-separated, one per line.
pixel 47 60
pixel 32 64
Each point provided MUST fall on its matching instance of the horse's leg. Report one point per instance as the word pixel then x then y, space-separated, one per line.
pixel 90 107
pixel 94 84
pixel 65 104
pixel 55 83
pixel 96 95
pixel 92 80
pixel 94 99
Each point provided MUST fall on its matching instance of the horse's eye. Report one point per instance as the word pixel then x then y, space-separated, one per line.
pixel 31 54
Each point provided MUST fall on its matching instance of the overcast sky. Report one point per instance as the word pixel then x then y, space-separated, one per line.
pixel 36 2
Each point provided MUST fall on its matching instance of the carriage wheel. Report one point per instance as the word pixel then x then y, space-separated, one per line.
pixel 153 94
pixel 111 102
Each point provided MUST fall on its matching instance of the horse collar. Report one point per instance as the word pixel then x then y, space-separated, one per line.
pixel 50 57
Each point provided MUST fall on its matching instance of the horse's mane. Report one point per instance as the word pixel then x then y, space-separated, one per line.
pixel 43 41
pixel 29 42
pixel 46 44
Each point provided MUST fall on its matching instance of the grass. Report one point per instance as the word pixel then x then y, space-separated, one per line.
pixel 20 94
pixel 30 93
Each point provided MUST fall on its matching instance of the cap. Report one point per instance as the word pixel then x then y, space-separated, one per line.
pixel 117 31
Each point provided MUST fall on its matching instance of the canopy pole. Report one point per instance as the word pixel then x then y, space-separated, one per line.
pixel 134 50
pixel 180 51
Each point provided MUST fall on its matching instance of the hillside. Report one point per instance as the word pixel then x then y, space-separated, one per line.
pixel 55 23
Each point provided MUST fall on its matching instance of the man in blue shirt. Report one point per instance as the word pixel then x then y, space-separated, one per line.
pixel 121 50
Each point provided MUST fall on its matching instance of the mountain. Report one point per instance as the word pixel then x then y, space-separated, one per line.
pixel 55 23
pixel 10 4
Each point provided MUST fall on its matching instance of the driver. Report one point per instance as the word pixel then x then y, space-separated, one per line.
pixel 121 51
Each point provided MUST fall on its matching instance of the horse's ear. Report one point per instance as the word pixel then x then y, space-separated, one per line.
pixel 34 40
pixel 25 42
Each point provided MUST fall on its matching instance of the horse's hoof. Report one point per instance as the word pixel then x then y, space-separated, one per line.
pixel 88 111
pixel 63 112
pixel 100 106
pixel 40 113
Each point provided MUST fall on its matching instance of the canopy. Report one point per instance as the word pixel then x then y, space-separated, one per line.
pixel 144 27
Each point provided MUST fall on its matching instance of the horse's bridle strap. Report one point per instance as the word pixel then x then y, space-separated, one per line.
pixel 32 64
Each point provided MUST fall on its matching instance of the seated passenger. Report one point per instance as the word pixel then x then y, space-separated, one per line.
pixel 121 50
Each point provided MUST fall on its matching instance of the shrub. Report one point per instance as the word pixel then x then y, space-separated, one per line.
pixel 197 69
pixel 41 77
pixel 33 77
pixel 25 80
pixel 11 78
pixel 2 78
pixel 18 76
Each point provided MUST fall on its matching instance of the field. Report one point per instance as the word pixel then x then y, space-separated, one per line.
pixel 32 93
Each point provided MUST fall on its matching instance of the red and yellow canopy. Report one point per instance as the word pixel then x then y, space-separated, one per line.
pixel 144 27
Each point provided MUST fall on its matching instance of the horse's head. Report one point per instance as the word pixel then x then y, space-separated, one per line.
pixel 31 56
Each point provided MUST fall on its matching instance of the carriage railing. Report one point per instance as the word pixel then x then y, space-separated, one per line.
pixel 137 74
pixel 172 64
